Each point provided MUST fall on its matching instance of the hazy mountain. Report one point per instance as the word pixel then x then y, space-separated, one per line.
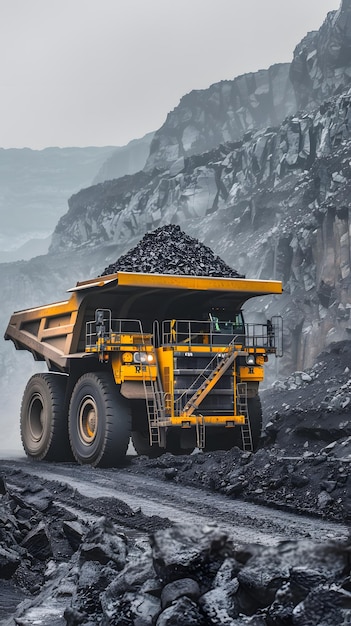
pixel 125 160
pixel 36 184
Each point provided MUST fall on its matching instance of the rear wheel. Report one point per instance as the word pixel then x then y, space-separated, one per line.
pixel 141 438
pixel 44 431
pixel 218 438
pixel 255 415
pixel 99 421
pixel 141 443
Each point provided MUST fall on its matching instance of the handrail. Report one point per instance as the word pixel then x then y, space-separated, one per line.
pixel 192 333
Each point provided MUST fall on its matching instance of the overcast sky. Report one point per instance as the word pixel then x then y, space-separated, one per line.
pixel 103 72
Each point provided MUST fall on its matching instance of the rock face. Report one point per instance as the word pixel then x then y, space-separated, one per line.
pixel 276 205
pixel 321 65
pixel 206 118
pixel 224 112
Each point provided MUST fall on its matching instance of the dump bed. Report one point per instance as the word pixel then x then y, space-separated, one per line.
pixel 56 332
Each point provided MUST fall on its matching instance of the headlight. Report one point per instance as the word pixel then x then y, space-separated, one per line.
pixel 250 359
pixel 143 357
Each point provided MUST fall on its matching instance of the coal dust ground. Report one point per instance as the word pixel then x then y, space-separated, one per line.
pixel 67 558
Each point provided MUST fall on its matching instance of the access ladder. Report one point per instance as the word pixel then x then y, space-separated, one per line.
pixel 155 407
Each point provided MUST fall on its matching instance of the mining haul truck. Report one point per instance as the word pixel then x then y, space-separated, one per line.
pixel 165 359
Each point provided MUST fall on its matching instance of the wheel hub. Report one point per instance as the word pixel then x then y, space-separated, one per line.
pixel 36 417
pixel 88 420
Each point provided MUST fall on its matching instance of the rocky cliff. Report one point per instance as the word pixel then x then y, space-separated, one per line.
pixel 321 64
pixel 205 118
pixel 224 112
pixel 275 204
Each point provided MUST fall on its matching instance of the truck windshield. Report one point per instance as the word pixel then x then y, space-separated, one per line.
pixel 233 326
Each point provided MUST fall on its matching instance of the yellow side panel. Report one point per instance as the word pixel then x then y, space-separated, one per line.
pixel 248 373
pixel 124 372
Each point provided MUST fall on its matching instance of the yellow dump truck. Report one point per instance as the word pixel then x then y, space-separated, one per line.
pixel 167 360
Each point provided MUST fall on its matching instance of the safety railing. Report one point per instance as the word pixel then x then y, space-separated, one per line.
pixel 268 336
pixel 107 330
pixel 189 333
pixel 192 333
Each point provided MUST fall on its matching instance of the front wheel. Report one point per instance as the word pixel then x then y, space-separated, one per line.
pixel 99 421
pixel 43 425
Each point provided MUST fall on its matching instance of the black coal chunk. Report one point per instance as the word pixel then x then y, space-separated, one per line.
pixel 168 250
pixel 37 542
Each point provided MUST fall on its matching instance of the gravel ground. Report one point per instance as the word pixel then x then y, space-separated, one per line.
pixel 62 562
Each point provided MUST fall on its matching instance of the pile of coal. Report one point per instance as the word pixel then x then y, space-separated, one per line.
pixel 168 250
pixel 301 479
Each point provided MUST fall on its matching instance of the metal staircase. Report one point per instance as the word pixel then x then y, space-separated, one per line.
pixel 211 377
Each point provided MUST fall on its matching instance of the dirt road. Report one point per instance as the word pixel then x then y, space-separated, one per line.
pixel 243 521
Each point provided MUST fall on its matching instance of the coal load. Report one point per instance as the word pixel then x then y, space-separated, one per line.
pixel 168 250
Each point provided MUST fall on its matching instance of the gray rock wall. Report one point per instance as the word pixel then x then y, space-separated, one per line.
pixel 224 112
pixel 321 65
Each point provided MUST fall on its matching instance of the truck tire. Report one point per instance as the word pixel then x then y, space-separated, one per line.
pixel 44 430
pixel 218 438
pixel 99 421
pixel 141 443
pixel 255 417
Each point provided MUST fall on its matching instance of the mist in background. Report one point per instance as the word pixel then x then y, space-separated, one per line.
pixel 102 73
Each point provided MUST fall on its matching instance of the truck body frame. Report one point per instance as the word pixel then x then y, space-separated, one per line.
pixel 176 349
